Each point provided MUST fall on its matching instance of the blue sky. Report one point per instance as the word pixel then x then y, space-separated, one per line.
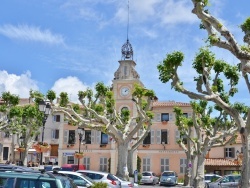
pixel 69 45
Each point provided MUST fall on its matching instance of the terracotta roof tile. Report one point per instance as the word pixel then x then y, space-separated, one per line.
pixel 169 103
pixel 222 162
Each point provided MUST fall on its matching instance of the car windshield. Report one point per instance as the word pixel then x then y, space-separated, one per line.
pixel 86 177
pixel 146 174
pixel 168 174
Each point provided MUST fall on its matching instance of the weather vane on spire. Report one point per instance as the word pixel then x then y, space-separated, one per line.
pixel 127 50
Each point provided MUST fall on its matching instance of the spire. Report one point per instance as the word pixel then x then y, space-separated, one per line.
pixel 127 50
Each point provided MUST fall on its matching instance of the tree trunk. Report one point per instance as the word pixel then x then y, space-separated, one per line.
pixel 199 177
pixel 122 168
pixel 130 162
pixel 245 137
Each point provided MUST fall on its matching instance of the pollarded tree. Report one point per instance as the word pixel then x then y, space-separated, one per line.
pixel 99 113
pixel 199 133
pixel 209 84
pixel 8 101
pixel 23 120
pixel 220 36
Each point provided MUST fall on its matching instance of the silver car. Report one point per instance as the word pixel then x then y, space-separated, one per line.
pixel 149 178
pixel 79 179
pixel 125 183
pixel 226 181
pixel 105 177
pixel 169 178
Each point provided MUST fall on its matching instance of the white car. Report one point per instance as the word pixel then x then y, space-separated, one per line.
pixel 125 183
pixel 79 179
pixel 211 177
pixel 105 177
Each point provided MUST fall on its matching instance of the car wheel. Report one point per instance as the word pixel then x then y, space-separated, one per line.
pixel 153 183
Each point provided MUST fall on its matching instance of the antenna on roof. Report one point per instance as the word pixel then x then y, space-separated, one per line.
pixel 127 50
pixel 128 21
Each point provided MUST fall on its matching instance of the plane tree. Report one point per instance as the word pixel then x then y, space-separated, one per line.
pixel 199 133
pixel 99 113
pixel 219 36
pixel 22 121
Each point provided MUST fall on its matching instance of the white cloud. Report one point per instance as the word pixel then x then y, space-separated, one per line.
pixel 70 85
pixel 177 12
pixel 19 85
pixel 30 33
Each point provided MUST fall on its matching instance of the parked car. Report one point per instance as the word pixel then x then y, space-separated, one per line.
pixel 149 178
pixel 211 177
pixel 72 167
pixel 105 177
pixel 169 178
pixel 231 180
pixel 34 180
pixel 79 179
pixel 125 183
pixel 6 167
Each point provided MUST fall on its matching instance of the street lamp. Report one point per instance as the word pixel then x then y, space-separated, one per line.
pixel 80 132
pixel 45 108
pixel 21 145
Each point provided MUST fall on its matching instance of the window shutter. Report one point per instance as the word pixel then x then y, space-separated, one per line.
pixel 168 132
pixel 64 161
pixel 65 136
pixel 158 117
pixel 189 115
pixel 152 137
pixel 52 134
pixel 76 160
pixel 93 136
pixel 177 135
pixel 158 136
pixel 225 155
pixel 109 137
pixel 98 137
pixel 171 117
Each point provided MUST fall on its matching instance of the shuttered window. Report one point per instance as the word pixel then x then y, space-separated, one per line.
pixel 183 165
pixel 56 118
pixel 103 164
pixel 72 137
pixel 55 133
pixel 146 164
pixel 88 136
pixel 65 136
pixel 86 162
pixel 147 139
pixel 164 164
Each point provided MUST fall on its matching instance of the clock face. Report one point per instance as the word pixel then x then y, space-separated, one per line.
pixel 125 91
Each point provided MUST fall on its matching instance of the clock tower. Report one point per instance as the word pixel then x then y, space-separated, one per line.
pixel 124 79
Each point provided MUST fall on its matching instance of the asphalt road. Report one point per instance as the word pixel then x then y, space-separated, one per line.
pixel 149 186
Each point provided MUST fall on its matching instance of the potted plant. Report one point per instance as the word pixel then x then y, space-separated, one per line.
pixel 41 147
pixel 20 149
pixel 79 155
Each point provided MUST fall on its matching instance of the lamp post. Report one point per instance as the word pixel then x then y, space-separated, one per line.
pixel 80 132
pixel 45 108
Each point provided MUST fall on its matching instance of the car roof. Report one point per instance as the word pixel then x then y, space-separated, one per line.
pixel 92 171
pixel 67 172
